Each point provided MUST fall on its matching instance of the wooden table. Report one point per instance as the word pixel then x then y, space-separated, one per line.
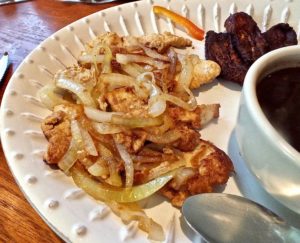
pixel 22 27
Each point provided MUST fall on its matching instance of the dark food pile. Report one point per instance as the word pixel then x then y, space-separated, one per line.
pixel 243 43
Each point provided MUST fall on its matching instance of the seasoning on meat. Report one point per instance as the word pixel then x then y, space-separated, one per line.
pixel 280 35
pixel 243 43
pixel 219 48
pixel 161 42
pixel 56 128
pixel 246 36
pixel 125 122
pixel 210 167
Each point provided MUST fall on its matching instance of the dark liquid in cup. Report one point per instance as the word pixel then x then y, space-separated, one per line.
pixel 279 96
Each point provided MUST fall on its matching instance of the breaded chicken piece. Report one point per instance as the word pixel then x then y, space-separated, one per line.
pixel 189 139
pixel 208 167
pixel 125 100
pixel 133 141
pixel 56 129
pixel 161 42
pixel 78 75
pixel 197 118
pixel 204 71
pixel 106 39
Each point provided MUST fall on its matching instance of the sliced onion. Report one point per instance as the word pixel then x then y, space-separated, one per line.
pixel 99 116
pixel 78 89
pixel 106 66
pixel 157 106
pixel 76 146
pixel 172 55
pixel 177 101
pixel 106 128
pixel 154 54
pixel 49 97
pixel 88 142
pixel 168 123
pixel 146 77
pixel 131 69
pixel 185 79
pixel 102 192
pixel 86 162
pixel 117 80
pixel 192 100
pixel 134 122
pixel 182 175
pixel 128 213
pixel 106 155
pixel 114 177
pixel 148 68
pixel 129 170
pixel 91 59
pixel 147 80
pixel 186 73
pixel 69 158
pixel 99 169
pixel 166 138
pixel 155 231
pixel 164 168
pixel 129 58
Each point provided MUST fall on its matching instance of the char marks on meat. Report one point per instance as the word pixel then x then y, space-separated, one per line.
pixel 246 36
pixel 243 43
pixel 280 35
pixel 219 48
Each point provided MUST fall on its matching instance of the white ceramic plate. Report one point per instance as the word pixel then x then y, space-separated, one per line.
pixel 70 212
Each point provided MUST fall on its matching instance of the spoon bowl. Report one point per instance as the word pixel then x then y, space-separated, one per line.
pixel 220 217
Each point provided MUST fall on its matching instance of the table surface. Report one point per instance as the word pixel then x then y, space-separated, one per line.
pixel 22 27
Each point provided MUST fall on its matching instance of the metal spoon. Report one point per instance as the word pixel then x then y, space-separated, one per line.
pixel 222 217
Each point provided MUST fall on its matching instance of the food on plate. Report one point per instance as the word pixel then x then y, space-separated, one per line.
pixel 278 96
pixel 243 43
pixel 219 47
pixel 124 124
pixel 208 167
pixel 190 27
pixel 280 35
pixel 246 37
pixel 161 43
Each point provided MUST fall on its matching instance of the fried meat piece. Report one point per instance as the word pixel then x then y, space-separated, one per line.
pixel 189 139
pixel 110 39
pixel 56 129
pixel 161 42
pixel 219 48
pixel 78 75
pixel 208 167
pixel 204 71
pixel 125 100
pixel 246 36
pixel 133 141
pixel 197 118
pixel 280 35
